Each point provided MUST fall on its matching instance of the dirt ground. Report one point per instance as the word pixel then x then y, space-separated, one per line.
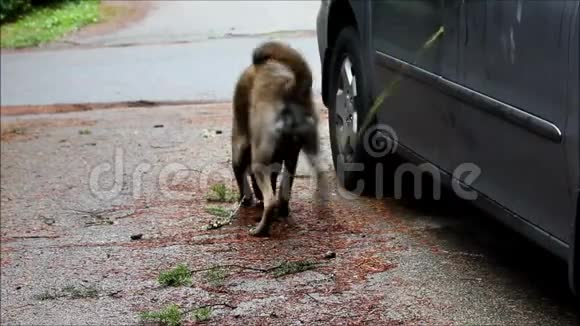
pixel 103 201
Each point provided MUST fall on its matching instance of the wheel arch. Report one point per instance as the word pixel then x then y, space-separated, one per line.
pixel 340 15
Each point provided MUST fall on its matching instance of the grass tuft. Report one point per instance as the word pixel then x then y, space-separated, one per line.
pixel 220 193
pixel 292 267
pixel 202 314
pixel 224 217
pixel 168 316
pixel 46 295
pixel 216 276
pixel 74 292
pixel 177 276
pixel 218 211
pixel 45 24
pixel 69 291
pixel 84 132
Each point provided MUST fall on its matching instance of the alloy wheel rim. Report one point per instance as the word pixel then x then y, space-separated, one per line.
pixel 345 112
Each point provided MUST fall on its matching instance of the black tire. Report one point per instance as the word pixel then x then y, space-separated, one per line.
pixel 348 45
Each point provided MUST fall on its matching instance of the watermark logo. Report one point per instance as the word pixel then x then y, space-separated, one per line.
pixel 178 181
pixel 380 140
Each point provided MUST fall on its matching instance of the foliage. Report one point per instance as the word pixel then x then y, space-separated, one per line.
pixel 220 193
pixel 216 276
pixel 202 314
pixel 69 291
pixel 11 9
pixel 168 316
pixel 218 211
pixel 178 276
pixel 292 267
pixel 43 24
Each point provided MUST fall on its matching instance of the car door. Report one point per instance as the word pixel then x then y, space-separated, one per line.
pixel 417 112
pixel 511 113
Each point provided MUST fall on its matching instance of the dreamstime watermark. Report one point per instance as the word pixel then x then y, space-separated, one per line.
pixel 378 142
pixel 178 181
pixel 172 180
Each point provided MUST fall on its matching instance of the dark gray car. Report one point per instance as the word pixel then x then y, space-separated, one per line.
pixel 483 95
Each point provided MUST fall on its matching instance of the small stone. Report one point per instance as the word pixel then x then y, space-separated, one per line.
pixel 137 236
pixel 330 255
pixel 48 220
pixel 158 126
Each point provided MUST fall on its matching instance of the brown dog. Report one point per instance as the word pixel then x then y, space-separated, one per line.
pixel 274 119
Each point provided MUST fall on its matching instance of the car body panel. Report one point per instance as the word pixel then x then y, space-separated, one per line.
pixel 417 111
pixel 499 90
pixel 572 146
pixel 519 57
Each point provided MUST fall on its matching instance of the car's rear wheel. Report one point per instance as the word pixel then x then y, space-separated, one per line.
pixel 349 99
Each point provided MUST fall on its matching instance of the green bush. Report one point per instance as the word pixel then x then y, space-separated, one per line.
pixel 11 9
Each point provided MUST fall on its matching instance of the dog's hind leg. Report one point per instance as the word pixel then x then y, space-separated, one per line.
pixel 290 165
pixel 257 191
pixel 241 156
pixel 262 168
pixel 275 170
pixel 263 179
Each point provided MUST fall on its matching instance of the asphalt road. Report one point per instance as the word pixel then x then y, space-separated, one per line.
pixel 396 262
pixel 181 51
pixel 205 70
pixel 71 201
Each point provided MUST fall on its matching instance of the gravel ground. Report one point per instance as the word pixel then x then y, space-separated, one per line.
pixel 77 187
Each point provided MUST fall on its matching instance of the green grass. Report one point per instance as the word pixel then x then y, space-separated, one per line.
pixel 202 314
pixel 218 211
pixel 220 193
pixel 224 217
pixel 216 276
pixel 168 316
pixel 84 132
pixel 177 276
pixel 69 291
pixel 46 295
pixel 80 292
pixel 45 24
pixel 292 267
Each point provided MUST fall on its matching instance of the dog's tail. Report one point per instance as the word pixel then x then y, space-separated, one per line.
pixel 283 53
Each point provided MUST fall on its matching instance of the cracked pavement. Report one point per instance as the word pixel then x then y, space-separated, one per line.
pixel 69 210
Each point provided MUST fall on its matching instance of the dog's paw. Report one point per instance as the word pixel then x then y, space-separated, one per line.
pixel 283 210
pixel 247 202
pixel 259 232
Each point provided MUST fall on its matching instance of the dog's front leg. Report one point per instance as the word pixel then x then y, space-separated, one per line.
pixel 287 180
